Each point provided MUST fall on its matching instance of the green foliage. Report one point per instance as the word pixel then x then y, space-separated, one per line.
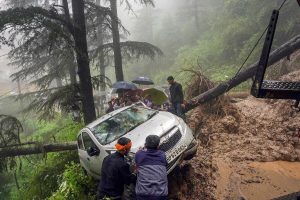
pixel 75 185
pixel 45 172
pixel 232 35
pixel 5 185
pixel 130 50
pixel 48 102
pixel 59 129
pixel 212 36
pixel 10 129
pixel 43 175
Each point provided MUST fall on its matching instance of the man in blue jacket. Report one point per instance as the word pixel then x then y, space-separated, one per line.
pixel 152 181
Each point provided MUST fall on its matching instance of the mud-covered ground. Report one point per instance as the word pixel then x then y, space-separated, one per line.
pixel 249 149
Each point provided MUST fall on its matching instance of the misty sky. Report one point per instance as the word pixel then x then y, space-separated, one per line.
pixel 127 18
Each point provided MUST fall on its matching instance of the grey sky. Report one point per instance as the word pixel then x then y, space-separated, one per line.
pixel 127 18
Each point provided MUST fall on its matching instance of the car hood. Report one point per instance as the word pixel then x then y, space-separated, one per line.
pixel 157 125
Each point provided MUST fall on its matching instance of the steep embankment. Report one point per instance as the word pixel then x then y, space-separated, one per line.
pixel 249 149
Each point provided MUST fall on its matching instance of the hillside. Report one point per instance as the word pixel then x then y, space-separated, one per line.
pixel 250 149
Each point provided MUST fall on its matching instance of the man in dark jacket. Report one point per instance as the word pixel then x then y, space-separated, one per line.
pixel 115 172
pixel 152 181
pixel 176 96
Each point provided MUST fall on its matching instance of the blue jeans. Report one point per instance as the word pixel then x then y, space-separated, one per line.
pixel 178 110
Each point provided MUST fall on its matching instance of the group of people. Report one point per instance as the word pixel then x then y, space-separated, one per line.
pixel 150 173
pixel 150 176
pixel 175 106
pixel 126 99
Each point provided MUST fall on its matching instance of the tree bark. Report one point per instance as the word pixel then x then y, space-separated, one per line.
pixel 72 69
pixel 283 51
pixel 116 41
pixel 101 56
pixel 72 73
pixel 58 82
pixel 101 60
pixel 36 149
pixel 84 73
pixel 66 10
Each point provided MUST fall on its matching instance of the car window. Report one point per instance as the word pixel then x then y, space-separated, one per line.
pixel 121 123
pixel 79 142
pixel 87 141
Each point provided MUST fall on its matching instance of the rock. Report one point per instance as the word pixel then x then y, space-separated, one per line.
pixel 230 124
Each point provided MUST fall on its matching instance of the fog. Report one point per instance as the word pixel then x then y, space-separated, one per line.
pixel 213 32
pixel 128 19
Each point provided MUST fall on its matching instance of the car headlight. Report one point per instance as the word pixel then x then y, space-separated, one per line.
pixel 182 125
pixel 110 151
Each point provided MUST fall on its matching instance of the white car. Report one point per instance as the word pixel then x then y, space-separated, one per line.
pixel 136 122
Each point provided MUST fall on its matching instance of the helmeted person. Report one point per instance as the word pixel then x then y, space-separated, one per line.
pixel 151 163
pixel 115 172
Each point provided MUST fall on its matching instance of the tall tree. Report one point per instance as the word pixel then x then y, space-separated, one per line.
pixel 82 57
pixel 48 42
pixel 71 68
pixel 116 34
pixel 47 39
pixel 116 41
pixel 101 55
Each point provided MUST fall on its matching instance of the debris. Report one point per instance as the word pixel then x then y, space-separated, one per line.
pixel 242 144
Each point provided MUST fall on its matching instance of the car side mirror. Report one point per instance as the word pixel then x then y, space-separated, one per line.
pixel 93 151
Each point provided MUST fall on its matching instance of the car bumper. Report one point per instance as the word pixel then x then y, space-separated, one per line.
pixel 191 151
pixel 188 154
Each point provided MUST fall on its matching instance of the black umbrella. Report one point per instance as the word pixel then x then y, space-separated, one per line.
pixel 123 85
pixel 142 80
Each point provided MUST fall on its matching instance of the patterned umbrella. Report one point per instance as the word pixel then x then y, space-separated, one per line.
pixel 143 80
pixel 158 97
pixel 123 85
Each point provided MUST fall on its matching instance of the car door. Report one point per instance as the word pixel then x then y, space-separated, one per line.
pixel 82 154
pixel 94 162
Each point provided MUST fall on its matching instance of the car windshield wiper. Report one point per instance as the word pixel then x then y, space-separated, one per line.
pixel 152 115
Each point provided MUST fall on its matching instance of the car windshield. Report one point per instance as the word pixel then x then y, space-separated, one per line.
pixel 121 123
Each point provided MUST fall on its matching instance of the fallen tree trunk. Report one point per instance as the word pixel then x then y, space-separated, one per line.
pixel 283 51
pixel 36 149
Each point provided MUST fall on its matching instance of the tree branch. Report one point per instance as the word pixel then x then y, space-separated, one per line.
pixel 37 149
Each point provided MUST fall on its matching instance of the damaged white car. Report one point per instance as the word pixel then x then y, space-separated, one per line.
pixel 136 122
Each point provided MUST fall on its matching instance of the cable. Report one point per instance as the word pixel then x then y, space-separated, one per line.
pixel 282 5
pixel 252 50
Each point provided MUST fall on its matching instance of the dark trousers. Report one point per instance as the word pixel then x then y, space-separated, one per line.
pixel 178 110
pixel 104 197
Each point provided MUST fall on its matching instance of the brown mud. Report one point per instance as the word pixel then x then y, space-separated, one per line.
pixel 249 149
